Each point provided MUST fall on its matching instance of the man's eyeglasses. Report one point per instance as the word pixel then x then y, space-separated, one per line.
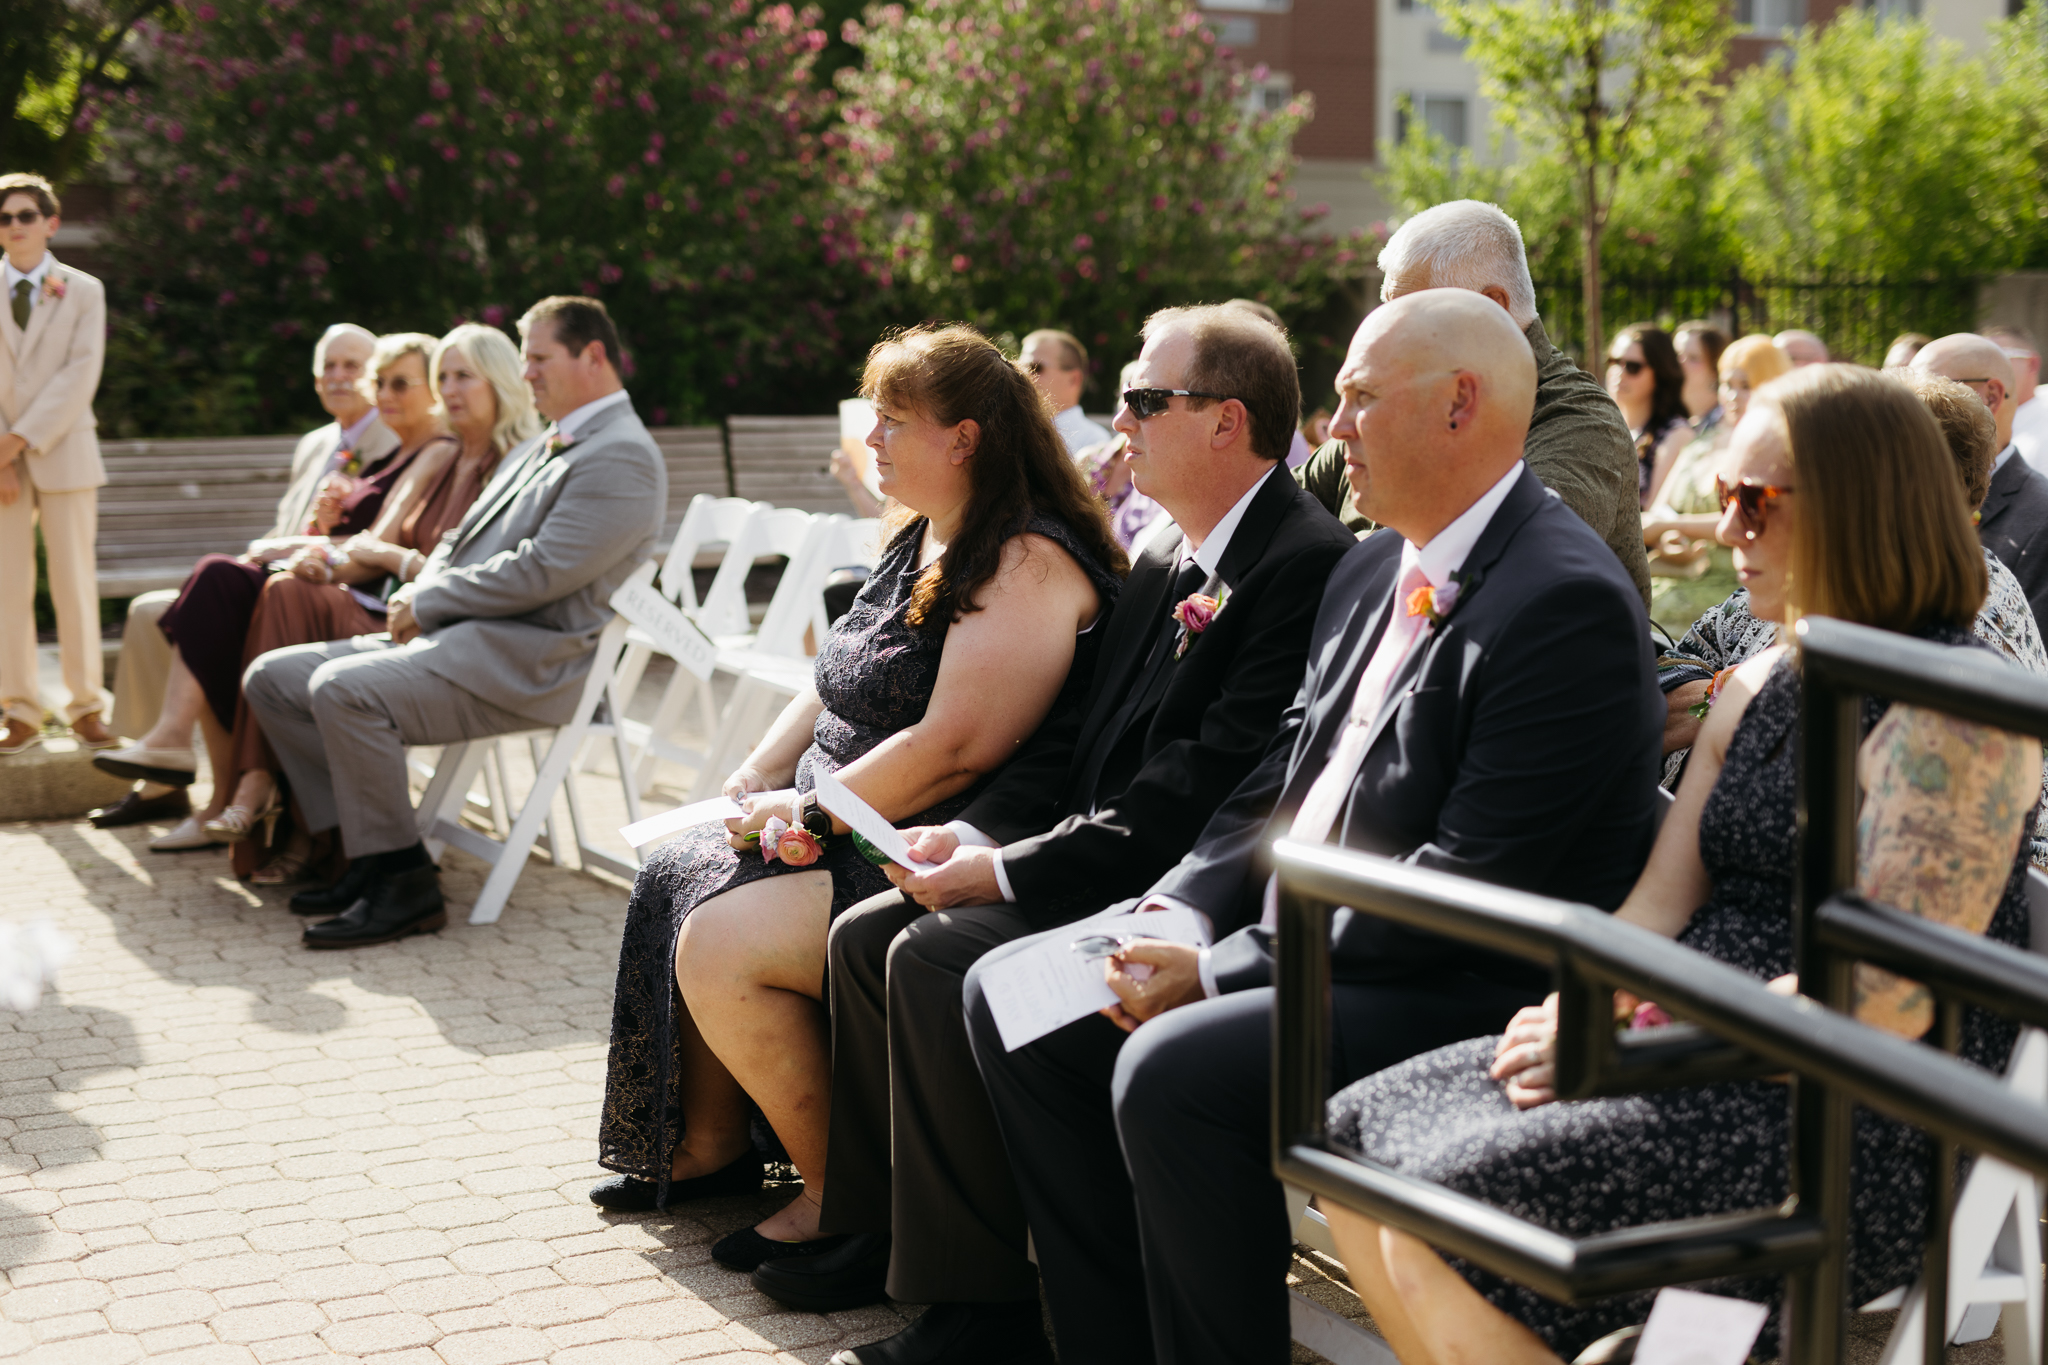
pixel 1145 403
pixel 25 217
pixel 1752 497
pixel 1634 367
pixel 1038 367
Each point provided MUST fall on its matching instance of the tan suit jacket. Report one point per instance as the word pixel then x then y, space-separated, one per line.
pixel 309 462
pixel 47 379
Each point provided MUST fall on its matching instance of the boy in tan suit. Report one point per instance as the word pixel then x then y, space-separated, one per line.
pixel 53 325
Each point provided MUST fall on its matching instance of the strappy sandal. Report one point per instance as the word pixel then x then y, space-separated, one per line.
pixel 286 869
pixel 237 823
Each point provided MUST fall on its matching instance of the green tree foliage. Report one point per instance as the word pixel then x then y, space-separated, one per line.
pixel 52 54
pixel 1877 151
pixel 1018 163
pixel 1587 82
pixel 409 163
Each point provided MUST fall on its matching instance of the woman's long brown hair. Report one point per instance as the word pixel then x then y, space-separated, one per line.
pixel 950 374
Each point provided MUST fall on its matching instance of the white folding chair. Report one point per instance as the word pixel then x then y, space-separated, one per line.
pixel 440 808
pixel 708 521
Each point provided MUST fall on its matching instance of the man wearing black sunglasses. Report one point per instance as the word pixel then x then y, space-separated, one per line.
pixel 1205 650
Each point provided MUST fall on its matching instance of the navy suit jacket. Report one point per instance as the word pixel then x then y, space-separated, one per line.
pixel 2013 524
pixel 1519 745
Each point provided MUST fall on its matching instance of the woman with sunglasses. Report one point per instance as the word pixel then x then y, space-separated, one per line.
pixel 1843 502
pixel 1647 383
pixel 973 627
pixel 209 623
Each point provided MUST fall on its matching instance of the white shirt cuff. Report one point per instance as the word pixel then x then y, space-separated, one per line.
pixel 971 837
pixel 1207 969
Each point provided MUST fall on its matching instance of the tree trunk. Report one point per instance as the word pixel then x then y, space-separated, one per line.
pixel 1589 268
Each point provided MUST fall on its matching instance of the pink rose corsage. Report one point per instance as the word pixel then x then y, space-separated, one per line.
pixel 559 443
pixel 53 286
pixel 794 845
pixel 1194 614
pixel 1649 1014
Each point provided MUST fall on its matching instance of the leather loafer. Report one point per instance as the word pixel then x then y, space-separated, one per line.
pixel 394 907
pixel 749 1250
pixel 138 763
pixel 850 1275
pixel 137 809
pixel 631 1194
pixel 329 900
pixel 962 1334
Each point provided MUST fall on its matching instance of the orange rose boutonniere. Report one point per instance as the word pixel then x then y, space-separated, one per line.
pixel 53 286
pixel 1435 603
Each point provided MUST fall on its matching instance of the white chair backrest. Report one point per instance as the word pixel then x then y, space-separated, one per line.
pixel 860 542
pixel 768 531
pixel 707 521
pixel 799 600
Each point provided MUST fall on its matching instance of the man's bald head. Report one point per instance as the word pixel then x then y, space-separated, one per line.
pixel 1980 363
pixel 1803 346
pixel 1436 395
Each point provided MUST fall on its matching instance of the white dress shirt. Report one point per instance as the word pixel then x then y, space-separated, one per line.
pixel 1077 431
pixel 569 425
pixel 2030 430
pixel 9 277
pixel 1208 557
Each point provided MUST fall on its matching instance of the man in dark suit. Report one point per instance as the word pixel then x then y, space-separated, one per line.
pixel 1481 698
pixel 1099 804
pixel 2013 522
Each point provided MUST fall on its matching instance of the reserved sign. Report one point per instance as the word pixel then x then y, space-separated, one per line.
pixel 675 634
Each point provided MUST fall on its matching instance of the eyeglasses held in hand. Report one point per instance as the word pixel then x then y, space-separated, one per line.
pixel 1145 403
pixel 1752 497
pixel 25 217
pixel 1097 946
pixel 1634 367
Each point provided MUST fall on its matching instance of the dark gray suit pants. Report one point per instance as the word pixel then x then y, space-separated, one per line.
pixel 936 1176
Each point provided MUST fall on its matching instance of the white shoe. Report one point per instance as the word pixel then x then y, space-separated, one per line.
pixel 186 834
pixel 139 763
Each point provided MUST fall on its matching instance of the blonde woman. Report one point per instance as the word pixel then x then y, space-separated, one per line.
pixel 480 396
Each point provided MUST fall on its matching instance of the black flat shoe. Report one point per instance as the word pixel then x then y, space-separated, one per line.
pixel 393 908
pixel 748 1249
pixel 332 900
pixel 136 809
pixel 851 1275
pixel 962 1334
pixel 631 1194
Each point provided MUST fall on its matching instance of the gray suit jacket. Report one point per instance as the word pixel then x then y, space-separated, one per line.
pixel 511 602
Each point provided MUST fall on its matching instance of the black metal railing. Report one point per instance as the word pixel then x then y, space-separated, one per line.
pixel 1736 1028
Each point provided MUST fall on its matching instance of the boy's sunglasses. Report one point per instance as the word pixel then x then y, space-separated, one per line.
pixel 1145 403
pixel 25 217
pixel 1752 497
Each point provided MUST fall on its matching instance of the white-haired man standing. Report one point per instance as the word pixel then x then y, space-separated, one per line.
pixel 356 432
pixel 1578 443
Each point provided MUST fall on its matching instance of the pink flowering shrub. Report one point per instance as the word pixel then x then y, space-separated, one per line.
pixel 407 164
pixel 1072 163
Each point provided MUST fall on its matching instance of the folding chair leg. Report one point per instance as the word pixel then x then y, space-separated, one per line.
pixel 448 789
pixel 675 699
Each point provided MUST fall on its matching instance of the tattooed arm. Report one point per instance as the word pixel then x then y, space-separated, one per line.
pixel 1944 805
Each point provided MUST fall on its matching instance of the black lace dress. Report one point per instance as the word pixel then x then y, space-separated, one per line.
pixel 1592 1166
pixel 875 674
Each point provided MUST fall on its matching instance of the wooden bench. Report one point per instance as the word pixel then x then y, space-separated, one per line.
pixel 786 461
pixel 166 503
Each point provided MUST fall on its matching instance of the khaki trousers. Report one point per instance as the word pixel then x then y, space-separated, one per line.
pixel 70 523
pixel 145 666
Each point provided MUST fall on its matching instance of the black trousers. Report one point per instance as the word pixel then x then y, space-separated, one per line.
pixel 913 1145
pixel 1145 1161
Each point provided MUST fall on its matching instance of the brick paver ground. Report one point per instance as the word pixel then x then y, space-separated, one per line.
pixel 216 1146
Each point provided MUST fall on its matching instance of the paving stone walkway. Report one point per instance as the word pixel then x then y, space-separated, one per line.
pixel 218 1147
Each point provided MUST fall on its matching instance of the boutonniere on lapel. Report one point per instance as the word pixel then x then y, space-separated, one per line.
pixel 558 443
pixel 1438 603
pixel 53 286
pixel 1194 613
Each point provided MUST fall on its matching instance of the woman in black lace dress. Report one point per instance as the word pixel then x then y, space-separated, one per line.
pixel 1848 506
pixel 973 627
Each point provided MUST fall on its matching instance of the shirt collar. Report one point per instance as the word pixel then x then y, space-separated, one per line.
pixel 353 433
pixel 34 276
pixel 1449 548
pixel 2004 455
pixel 577 420
pixel 1218 540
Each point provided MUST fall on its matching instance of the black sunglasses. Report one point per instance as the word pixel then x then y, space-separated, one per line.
pixel 25 217
pixel 1634 367
pixel 1145 403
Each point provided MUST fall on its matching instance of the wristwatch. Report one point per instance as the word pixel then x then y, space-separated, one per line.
pixel 812 816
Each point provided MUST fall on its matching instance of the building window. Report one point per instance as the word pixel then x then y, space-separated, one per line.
pixel 1442 115
pixel 1270 95
pixel 1250 6
pixel 1237 32
pixel 1777 18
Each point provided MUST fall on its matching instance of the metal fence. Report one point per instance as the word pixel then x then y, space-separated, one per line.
pixel 1857 318
pixel 1737 1028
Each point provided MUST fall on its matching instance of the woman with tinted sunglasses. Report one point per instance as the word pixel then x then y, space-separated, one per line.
pixel 1647 383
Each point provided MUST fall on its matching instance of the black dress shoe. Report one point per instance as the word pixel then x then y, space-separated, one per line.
pixel 330 900
pixel 749 1250
pixel 137 809
pixel 395 906
pixel 962 1334
pixel 631 1194
pixel 851 1275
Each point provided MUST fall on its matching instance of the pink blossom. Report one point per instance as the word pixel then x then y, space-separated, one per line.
pixel 494 314
pixel 1083 242
pixel 960 264
pixel 615 186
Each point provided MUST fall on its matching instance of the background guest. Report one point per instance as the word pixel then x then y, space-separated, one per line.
pixel 489 410
pixel 1699 346
pixel 1058 363
pixel 340 359
pixel 1131 512
pixel 208 624
pixel 2029 418
pixel 1300 450
pixel 1904 347
pixel 1648 384
pixel 1802 346
pixel 54 330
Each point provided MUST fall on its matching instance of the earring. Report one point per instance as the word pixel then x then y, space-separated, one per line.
pixel 1454 426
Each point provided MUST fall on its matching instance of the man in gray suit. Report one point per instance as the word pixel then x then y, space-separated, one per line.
pixel 495 635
